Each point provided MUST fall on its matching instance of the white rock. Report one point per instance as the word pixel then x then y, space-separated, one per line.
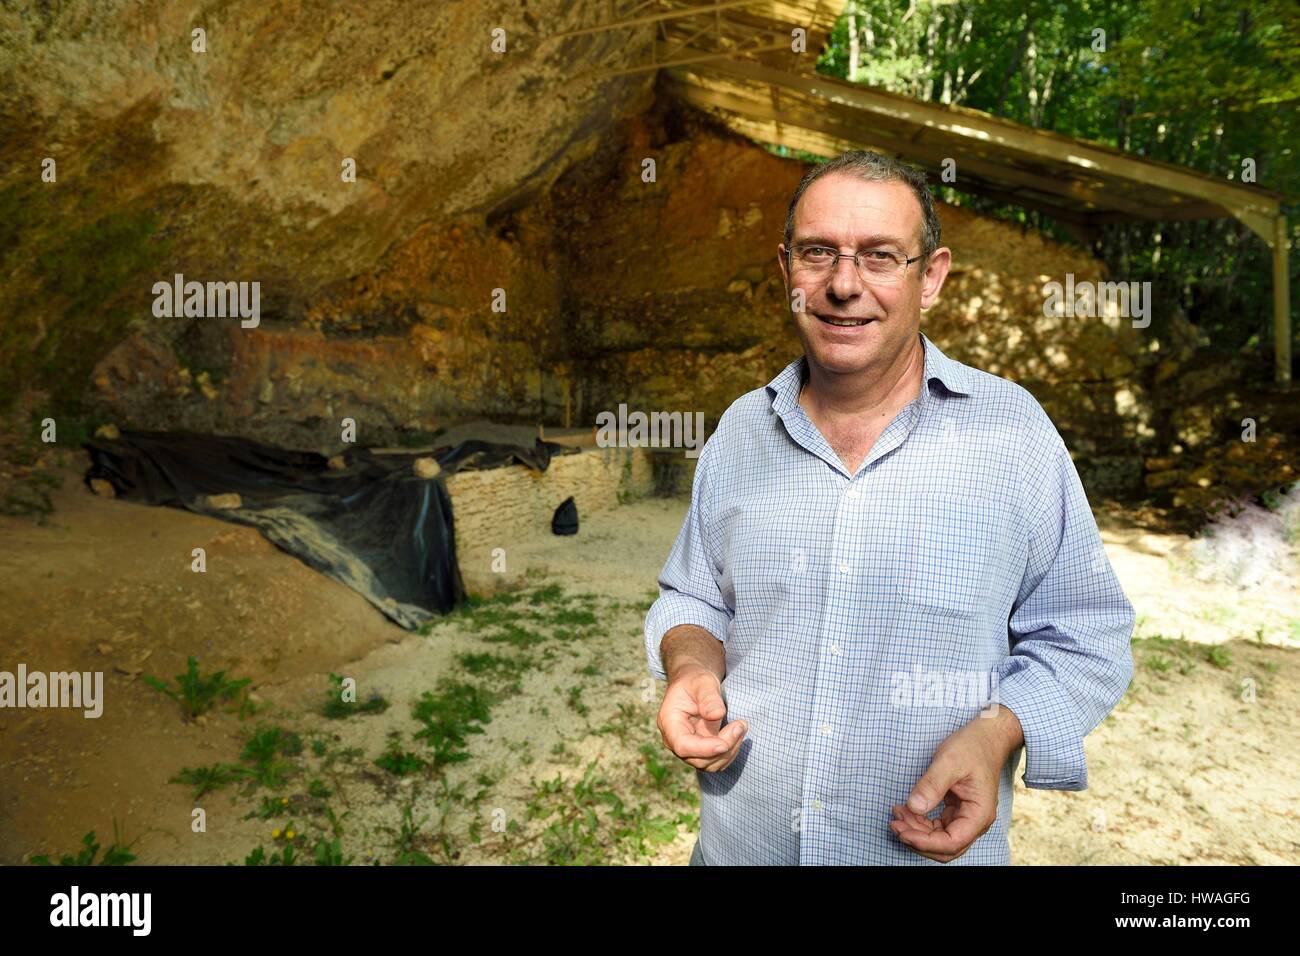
pixel 426 468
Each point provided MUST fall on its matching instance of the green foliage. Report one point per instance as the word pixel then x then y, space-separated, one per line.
pixel 85 261
pixel 575 701
pixel 197 694
pixel 262 765
pixel 1198 85
pixel 279 858
pixel 115 855
pixel 263 751
pixel 208 779
pixel 449 715
pixel 400 762
pixel 335 707
pixel 590 822
pixel 408 836
pixel 330 853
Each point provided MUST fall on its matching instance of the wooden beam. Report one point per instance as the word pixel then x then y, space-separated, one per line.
pixel 1281 305
pixel 1262 226
pixel 847 125
pixel 1055 150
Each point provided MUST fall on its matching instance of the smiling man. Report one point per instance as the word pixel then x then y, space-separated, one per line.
pixel 872 535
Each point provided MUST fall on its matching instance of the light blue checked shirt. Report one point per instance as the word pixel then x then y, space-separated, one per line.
pixel 860 613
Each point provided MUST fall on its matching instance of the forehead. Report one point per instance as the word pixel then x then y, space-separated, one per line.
pixel 846 208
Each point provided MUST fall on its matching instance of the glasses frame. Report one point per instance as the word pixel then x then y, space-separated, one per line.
pixel 835 263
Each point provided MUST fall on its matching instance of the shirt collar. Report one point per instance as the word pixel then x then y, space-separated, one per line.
pixel 954 376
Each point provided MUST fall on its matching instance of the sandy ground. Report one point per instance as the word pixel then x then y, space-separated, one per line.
pixel 1197 764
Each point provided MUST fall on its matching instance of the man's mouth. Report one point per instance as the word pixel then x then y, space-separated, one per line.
pixel 842 321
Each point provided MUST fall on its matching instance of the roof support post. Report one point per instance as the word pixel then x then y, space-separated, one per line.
pixel 1281 305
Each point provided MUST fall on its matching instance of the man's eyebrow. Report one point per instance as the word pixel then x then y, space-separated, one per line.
pixel 868 242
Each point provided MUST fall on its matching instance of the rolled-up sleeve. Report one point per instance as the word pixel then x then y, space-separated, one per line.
pixel 1070 628
pixel 688 585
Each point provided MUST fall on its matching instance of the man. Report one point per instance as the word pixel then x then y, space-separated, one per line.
pixel 889 580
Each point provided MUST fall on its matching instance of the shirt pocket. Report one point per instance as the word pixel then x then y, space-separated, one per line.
pixel 946 551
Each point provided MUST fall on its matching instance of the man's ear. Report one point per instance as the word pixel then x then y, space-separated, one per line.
pixel 936 270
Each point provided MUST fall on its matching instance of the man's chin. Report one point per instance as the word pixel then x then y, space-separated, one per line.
pixel 841 343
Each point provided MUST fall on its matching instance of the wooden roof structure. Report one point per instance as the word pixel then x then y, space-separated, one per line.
pixel 734 59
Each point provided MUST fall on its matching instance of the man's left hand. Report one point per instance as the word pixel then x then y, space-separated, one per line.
pixel 964 775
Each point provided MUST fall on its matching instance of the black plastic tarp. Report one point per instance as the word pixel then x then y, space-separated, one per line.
pixel 372 525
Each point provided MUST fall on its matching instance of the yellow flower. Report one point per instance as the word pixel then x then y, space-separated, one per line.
pixel 288 834
pixel 275 834
pixel 284 799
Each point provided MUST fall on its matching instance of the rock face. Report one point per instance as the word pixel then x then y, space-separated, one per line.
pixel 229 164
pixel 501 253
pixel 664 295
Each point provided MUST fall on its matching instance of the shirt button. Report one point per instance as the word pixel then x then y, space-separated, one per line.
pixel 844 567
pixel 853 494
pixel 816 804
pixel 835 649
pixel 826 729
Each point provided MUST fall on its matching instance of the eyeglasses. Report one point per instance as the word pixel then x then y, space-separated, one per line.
pixel 879 266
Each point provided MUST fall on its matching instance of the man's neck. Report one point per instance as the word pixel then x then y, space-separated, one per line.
pixel 840 398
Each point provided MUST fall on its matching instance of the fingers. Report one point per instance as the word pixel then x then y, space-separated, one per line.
pixel 690 721
pixel 733 732
pixel 946 838
pixel 938 780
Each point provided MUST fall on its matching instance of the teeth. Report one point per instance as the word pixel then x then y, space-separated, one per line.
pixel 846 321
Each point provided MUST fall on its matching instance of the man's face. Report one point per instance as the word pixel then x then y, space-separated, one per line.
pixel 850 214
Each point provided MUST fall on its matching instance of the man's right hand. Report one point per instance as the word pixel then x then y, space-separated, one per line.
pixel 690 718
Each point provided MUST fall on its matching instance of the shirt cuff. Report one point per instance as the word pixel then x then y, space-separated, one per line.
pixel 671 609
pixel 1053 744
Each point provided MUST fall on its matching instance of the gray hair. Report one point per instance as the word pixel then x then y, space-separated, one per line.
pixel 876 168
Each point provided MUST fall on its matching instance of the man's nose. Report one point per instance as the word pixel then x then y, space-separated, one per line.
pixel 845 282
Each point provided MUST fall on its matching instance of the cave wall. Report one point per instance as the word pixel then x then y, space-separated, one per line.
pixel 227 165
pixel 665 295
pixel 478 178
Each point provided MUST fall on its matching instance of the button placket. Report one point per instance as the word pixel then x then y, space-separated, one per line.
pixel 825 700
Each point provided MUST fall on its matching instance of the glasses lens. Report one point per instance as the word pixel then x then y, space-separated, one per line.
pixel 880 266
pixel 874 265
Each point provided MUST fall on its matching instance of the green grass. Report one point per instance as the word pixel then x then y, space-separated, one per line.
pixel 117 854
pixel 408 839
pixel 506 668
pixel 589 823
pixel 195 693
pixel 263 751
pixel 400 762
pixel 336 707
pixel 271 807
pixel 330 853
pixel 630 718
pixel 575 701
pixel 262 766
pixel 208 779
pixel 448 715
pixel 491 669
pixel 258 857
pixel 1165 654
pixel 523 618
